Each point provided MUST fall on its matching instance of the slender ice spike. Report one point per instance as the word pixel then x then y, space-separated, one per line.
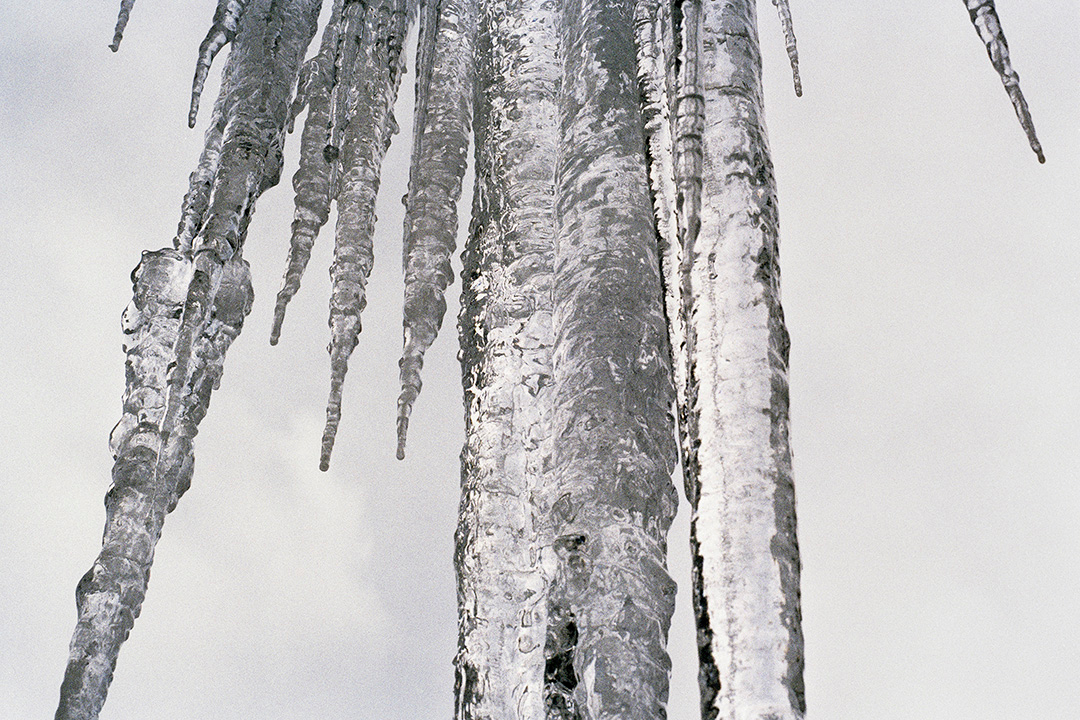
pixel 985 19
pixel 784 10
pixel 313 179
pixel 444 93
pixel 222 31
pixel 201 181
pixel 121 23
pixel 654 31
pixel 371 69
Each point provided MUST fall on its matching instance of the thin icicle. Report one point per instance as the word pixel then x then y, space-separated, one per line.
pixel 784 11
pixel 121 23
pixel 738 465
pixel 444 93
pixel 985 19
pixel 506 337
pixel 314 178
pixel 222 31
pixel 371 67
pixel 201 181
pixel 656 75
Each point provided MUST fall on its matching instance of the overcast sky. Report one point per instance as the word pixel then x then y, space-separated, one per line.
pixel 931 279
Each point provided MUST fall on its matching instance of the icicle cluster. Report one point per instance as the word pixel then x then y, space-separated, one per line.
pixel 350 87
pixel 622 259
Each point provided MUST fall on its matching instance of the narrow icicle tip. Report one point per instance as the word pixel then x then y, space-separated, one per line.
pixel 984 17
pixel 784 10
pixel 121 23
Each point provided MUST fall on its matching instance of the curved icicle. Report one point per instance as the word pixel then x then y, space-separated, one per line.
pixel 189 304
pixel 985 19
pixel 121 23
pixel 506 342
pixel 611 598
pixel 371 68
pixel 312 181
pixel 784 10
pixel 444 94
pixel 222 31
pixel 154 462
pixel 738 461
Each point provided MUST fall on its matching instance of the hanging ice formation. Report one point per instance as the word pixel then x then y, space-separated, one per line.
pixel 622 259
pixel 985 19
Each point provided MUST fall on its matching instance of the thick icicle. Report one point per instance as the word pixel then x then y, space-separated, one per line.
pixel 121 23
pixel 189 305
pixel 506 342
pixel 985 19
pixel 314 178
pixel 738 464
pixel 611 597
pixel 784 11
pixel 444 94
pixel 371 67
pixel 153 466
pixel 222 31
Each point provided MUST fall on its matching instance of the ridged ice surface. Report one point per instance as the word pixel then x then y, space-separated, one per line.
pixel 442 118
pixel 611 598
pixel 506 338
pixel 738 468
pixel 985 19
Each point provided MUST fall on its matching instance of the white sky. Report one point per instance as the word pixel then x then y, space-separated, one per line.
pixel 932 290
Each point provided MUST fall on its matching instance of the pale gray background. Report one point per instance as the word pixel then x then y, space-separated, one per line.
pixel 932 292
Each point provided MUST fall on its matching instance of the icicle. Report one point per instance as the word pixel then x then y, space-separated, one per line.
pixel 611 597
pixel 153 464
pixel 985 19
pixel 656 75
pixel 313 179
pixel 444 93
pixel 189 305
pixel 738 461
pixel 506 335
pixel 121 23
pixel 201 181
pixel 371 69
pixel 222 31
pixel 784 11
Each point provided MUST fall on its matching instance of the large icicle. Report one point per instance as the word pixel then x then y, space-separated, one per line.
pixel 738 464
pixel 506 342
pixel 222 31
pixel 985 19
pixel 784 10
pixel 372 65
pixel 121 23
pixel 444 94
pixel 189 304
pixel 153 467
pixel 611 597
pixel 313 180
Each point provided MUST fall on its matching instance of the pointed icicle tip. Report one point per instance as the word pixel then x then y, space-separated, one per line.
pixel 221 32
pixel 784 10
pixel 121 23
pixel 984 17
